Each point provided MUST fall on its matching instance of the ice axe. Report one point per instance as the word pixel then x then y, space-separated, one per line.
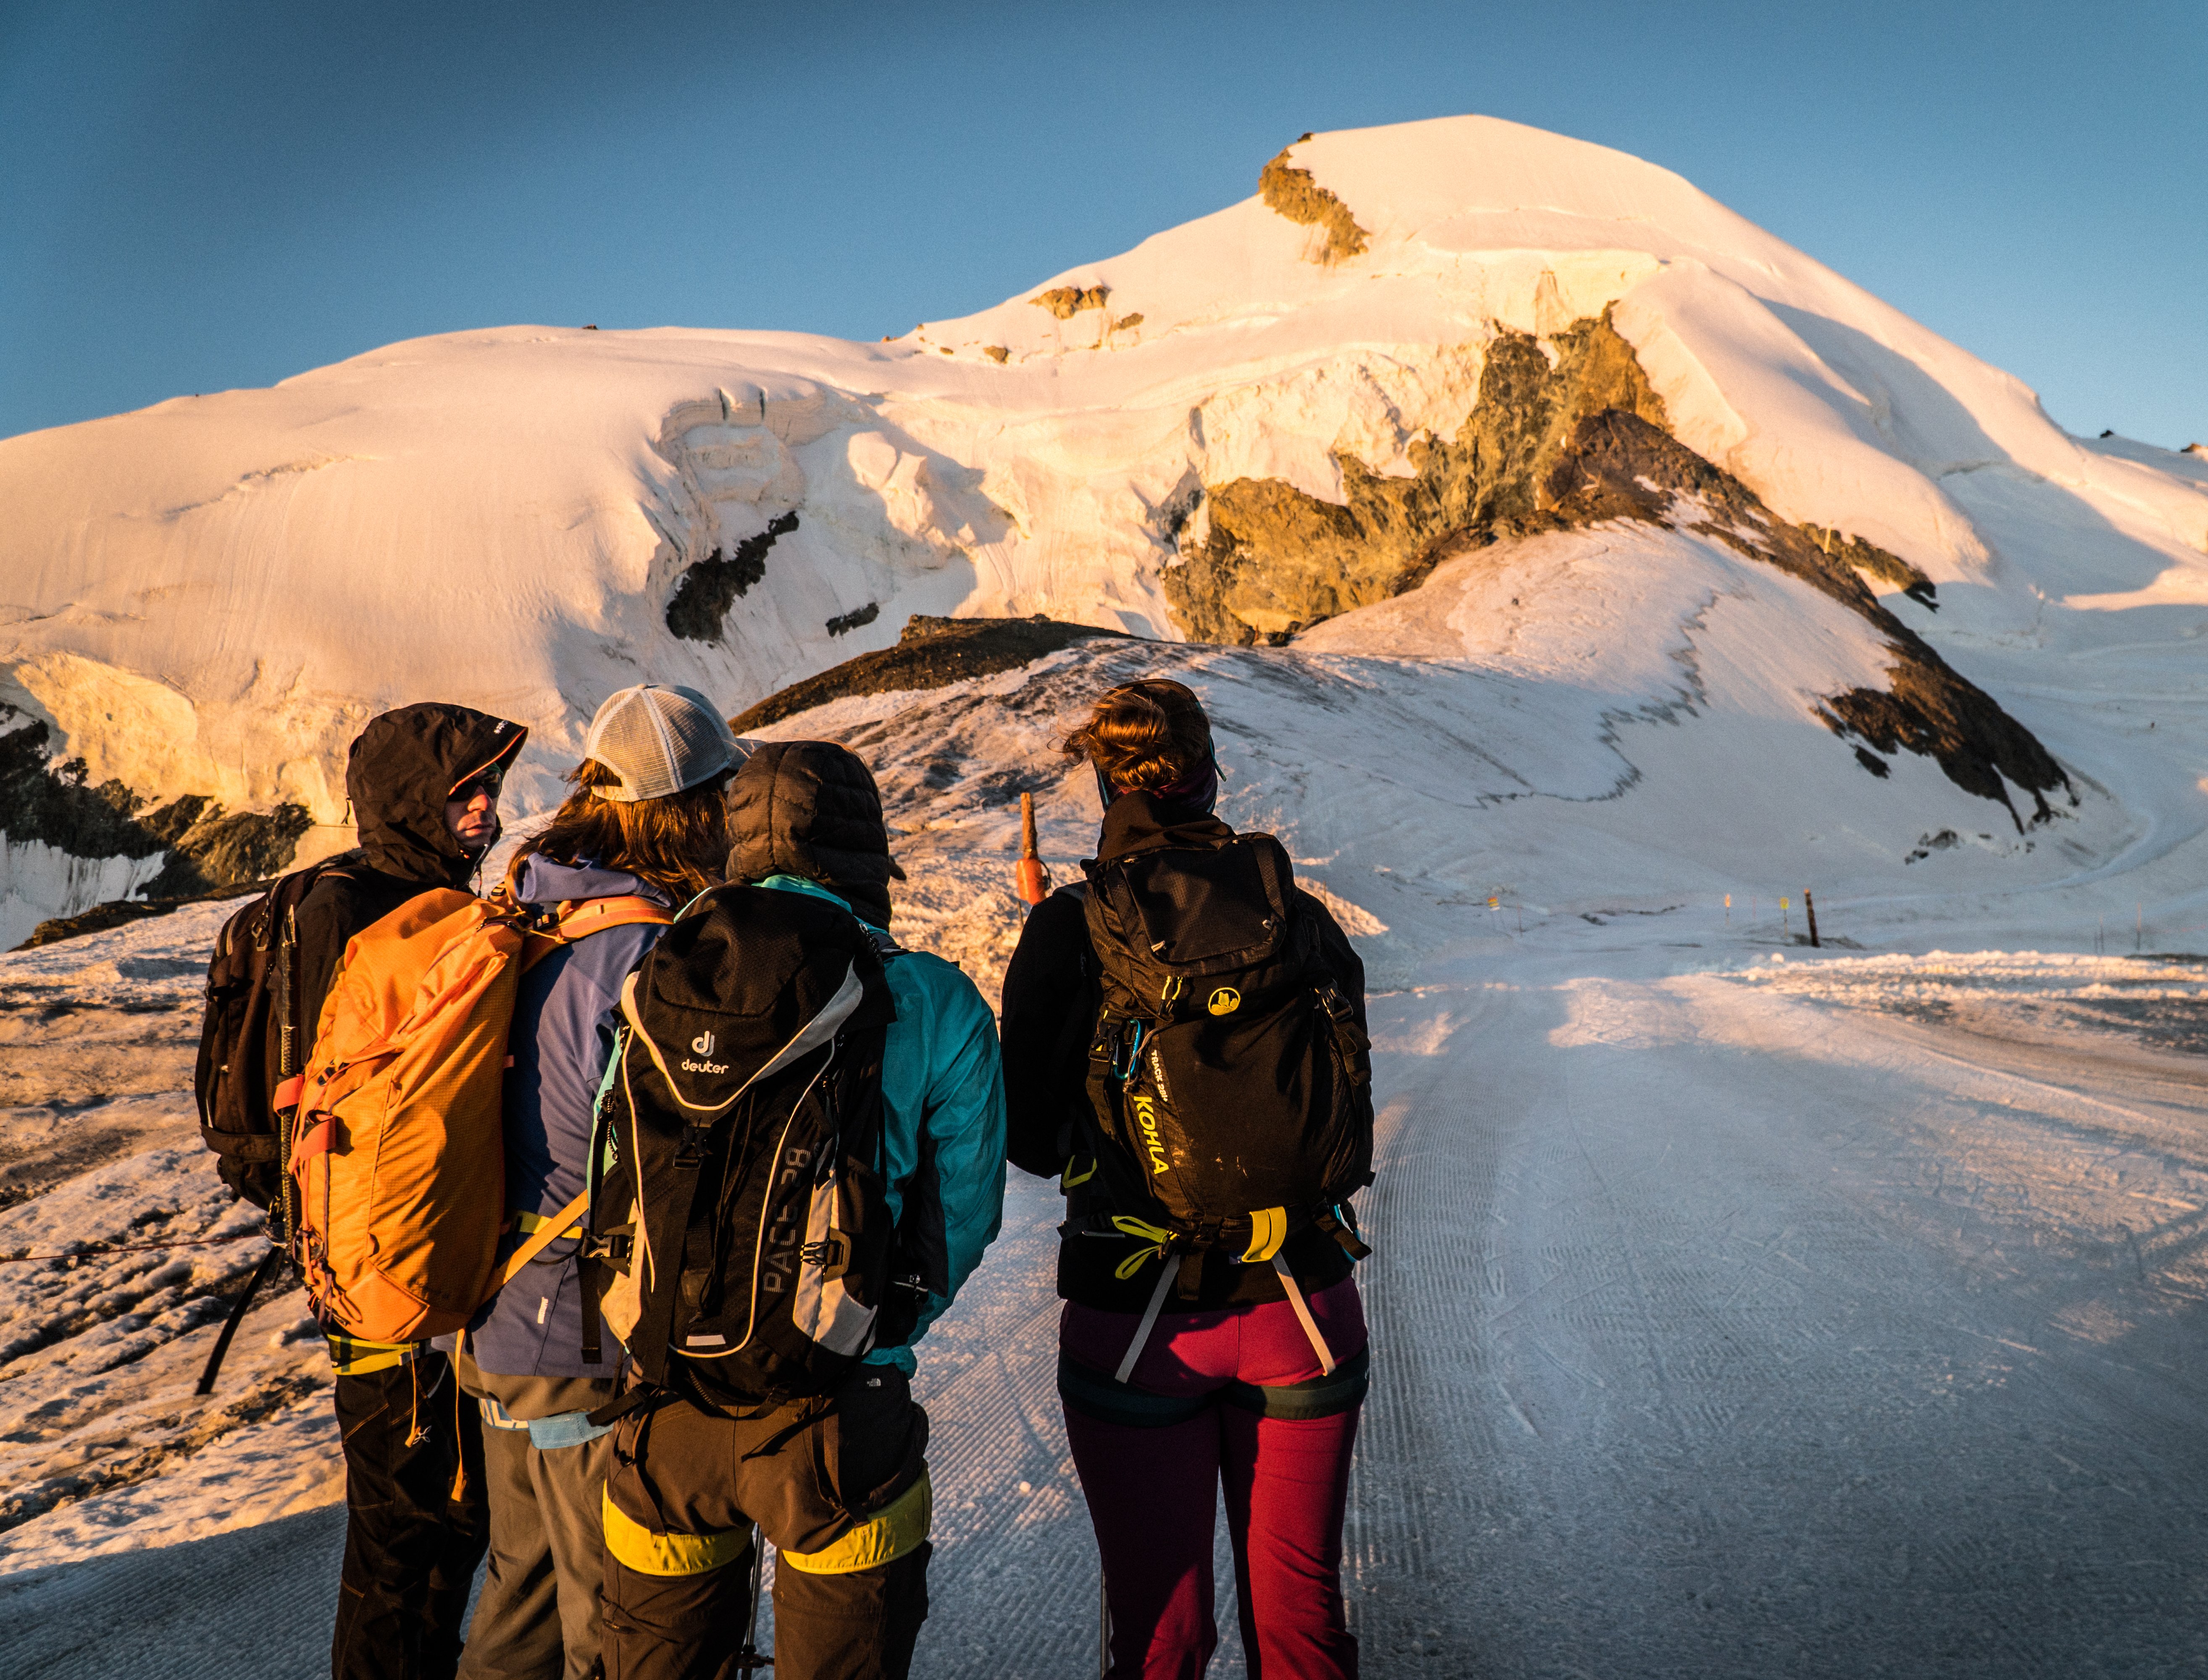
pixel 1031 879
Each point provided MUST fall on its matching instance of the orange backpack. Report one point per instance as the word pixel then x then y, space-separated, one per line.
pixel 400 1156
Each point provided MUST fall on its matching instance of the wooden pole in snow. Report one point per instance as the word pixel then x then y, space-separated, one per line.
pixel 1809 904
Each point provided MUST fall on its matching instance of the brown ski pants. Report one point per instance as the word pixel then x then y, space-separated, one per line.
pixel 839 1485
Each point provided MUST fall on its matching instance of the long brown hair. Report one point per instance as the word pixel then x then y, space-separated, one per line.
pixel 1148 735
pixel 678 843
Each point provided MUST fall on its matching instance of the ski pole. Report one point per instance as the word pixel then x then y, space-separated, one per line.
pixel 1103 1626
pixel 749 1661
pixel 1032 878
pixel 262 1274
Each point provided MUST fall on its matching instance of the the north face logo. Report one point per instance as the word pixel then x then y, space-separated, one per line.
pixel 703 1044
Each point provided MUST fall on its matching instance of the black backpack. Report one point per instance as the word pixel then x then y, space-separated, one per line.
pixel 742 1116
pixel 251 1042
pixel 1232 1080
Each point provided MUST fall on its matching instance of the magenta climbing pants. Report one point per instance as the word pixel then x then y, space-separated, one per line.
pixel 1237 1400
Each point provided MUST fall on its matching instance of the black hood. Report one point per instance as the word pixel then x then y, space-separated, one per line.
pixel 811 808
pixel 1142 822
pixel 401 772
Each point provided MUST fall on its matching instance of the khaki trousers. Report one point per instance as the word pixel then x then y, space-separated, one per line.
pixel 537 1618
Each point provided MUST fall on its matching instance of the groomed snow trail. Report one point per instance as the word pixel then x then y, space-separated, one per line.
pixel 1720 1335
pixel 1726 1322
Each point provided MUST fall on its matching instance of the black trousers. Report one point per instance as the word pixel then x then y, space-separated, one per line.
pixel 417 1522
pixel 685 1488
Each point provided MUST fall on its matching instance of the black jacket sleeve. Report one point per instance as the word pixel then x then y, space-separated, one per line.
pixel 327 919
pixel 337 907
pixel 1050 1006
pixel 1341 958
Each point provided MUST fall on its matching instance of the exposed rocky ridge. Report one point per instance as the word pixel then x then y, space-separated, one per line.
pixel 1295 193
pixel 1869 557
pixel 1066 302
pixel 117 911
pixel 207 849
pixel 1619 466
pixel 930 653
pixel 1278 561
pixel 1554 447
pixel 55 804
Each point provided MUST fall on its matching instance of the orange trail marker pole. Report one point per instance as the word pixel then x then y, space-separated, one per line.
pixel 1032 879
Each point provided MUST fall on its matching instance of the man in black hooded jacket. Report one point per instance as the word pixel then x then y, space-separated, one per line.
pixel 425 783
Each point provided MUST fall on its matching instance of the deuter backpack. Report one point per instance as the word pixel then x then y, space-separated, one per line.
pixel 252 1041
pixel 1228 1072
pixel 737 1177
pixel 398 1158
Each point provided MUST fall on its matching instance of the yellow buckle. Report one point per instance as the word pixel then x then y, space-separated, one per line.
pixel 1268 1229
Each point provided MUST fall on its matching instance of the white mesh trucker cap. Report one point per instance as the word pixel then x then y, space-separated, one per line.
pixel 659 740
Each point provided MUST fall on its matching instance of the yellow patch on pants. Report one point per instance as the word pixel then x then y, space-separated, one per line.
pixel 900 1527
pixel 647 1552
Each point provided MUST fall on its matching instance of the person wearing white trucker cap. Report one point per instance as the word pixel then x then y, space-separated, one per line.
pixel 643 832
pixel 659 740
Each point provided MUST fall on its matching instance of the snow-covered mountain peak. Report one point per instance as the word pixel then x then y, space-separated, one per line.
pixel 1298 408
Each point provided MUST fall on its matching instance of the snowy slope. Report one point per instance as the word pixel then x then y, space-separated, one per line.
pixel 1737 1310
pixel 209 596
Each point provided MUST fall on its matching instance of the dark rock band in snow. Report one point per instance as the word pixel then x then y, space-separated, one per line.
pixel 626 1190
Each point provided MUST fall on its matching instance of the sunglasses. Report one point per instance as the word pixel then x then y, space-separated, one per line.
pixel 486 782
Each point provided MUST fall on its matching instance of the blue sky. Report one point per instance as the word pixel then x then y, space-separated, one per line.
pixel 200 195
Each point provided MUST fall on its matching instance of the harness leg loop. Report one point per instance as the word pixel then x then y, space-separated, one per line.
pixel 1303 1315
pixel 1165 1275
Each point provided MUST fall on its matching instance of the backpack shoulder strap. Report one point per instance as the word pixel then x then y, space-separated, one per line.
pixel 561 1224
pixel 594 915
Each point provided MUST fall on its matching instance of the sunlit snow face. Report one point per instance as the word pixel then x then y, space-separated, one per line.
pixel 471 814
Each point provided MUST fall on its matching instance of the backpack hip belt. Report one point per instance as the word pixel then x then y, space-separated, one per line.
pixel 1256 1237
pixel 1166 1243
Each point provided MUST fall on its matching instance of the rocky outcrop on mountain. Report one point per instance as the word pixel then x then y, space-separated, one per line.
pixel 1555 445
pixel 1869 557
pixel 1066 302
pixel 1277 560
pixel 55 804
pixel 207 851
pixel 930 653
pixel 1617 466
pixel 700 603
pixel 1295 194
pixel 213 850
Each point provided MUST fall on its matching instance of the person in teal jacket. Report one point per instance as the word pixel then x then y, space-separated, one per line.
pixel 806 817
